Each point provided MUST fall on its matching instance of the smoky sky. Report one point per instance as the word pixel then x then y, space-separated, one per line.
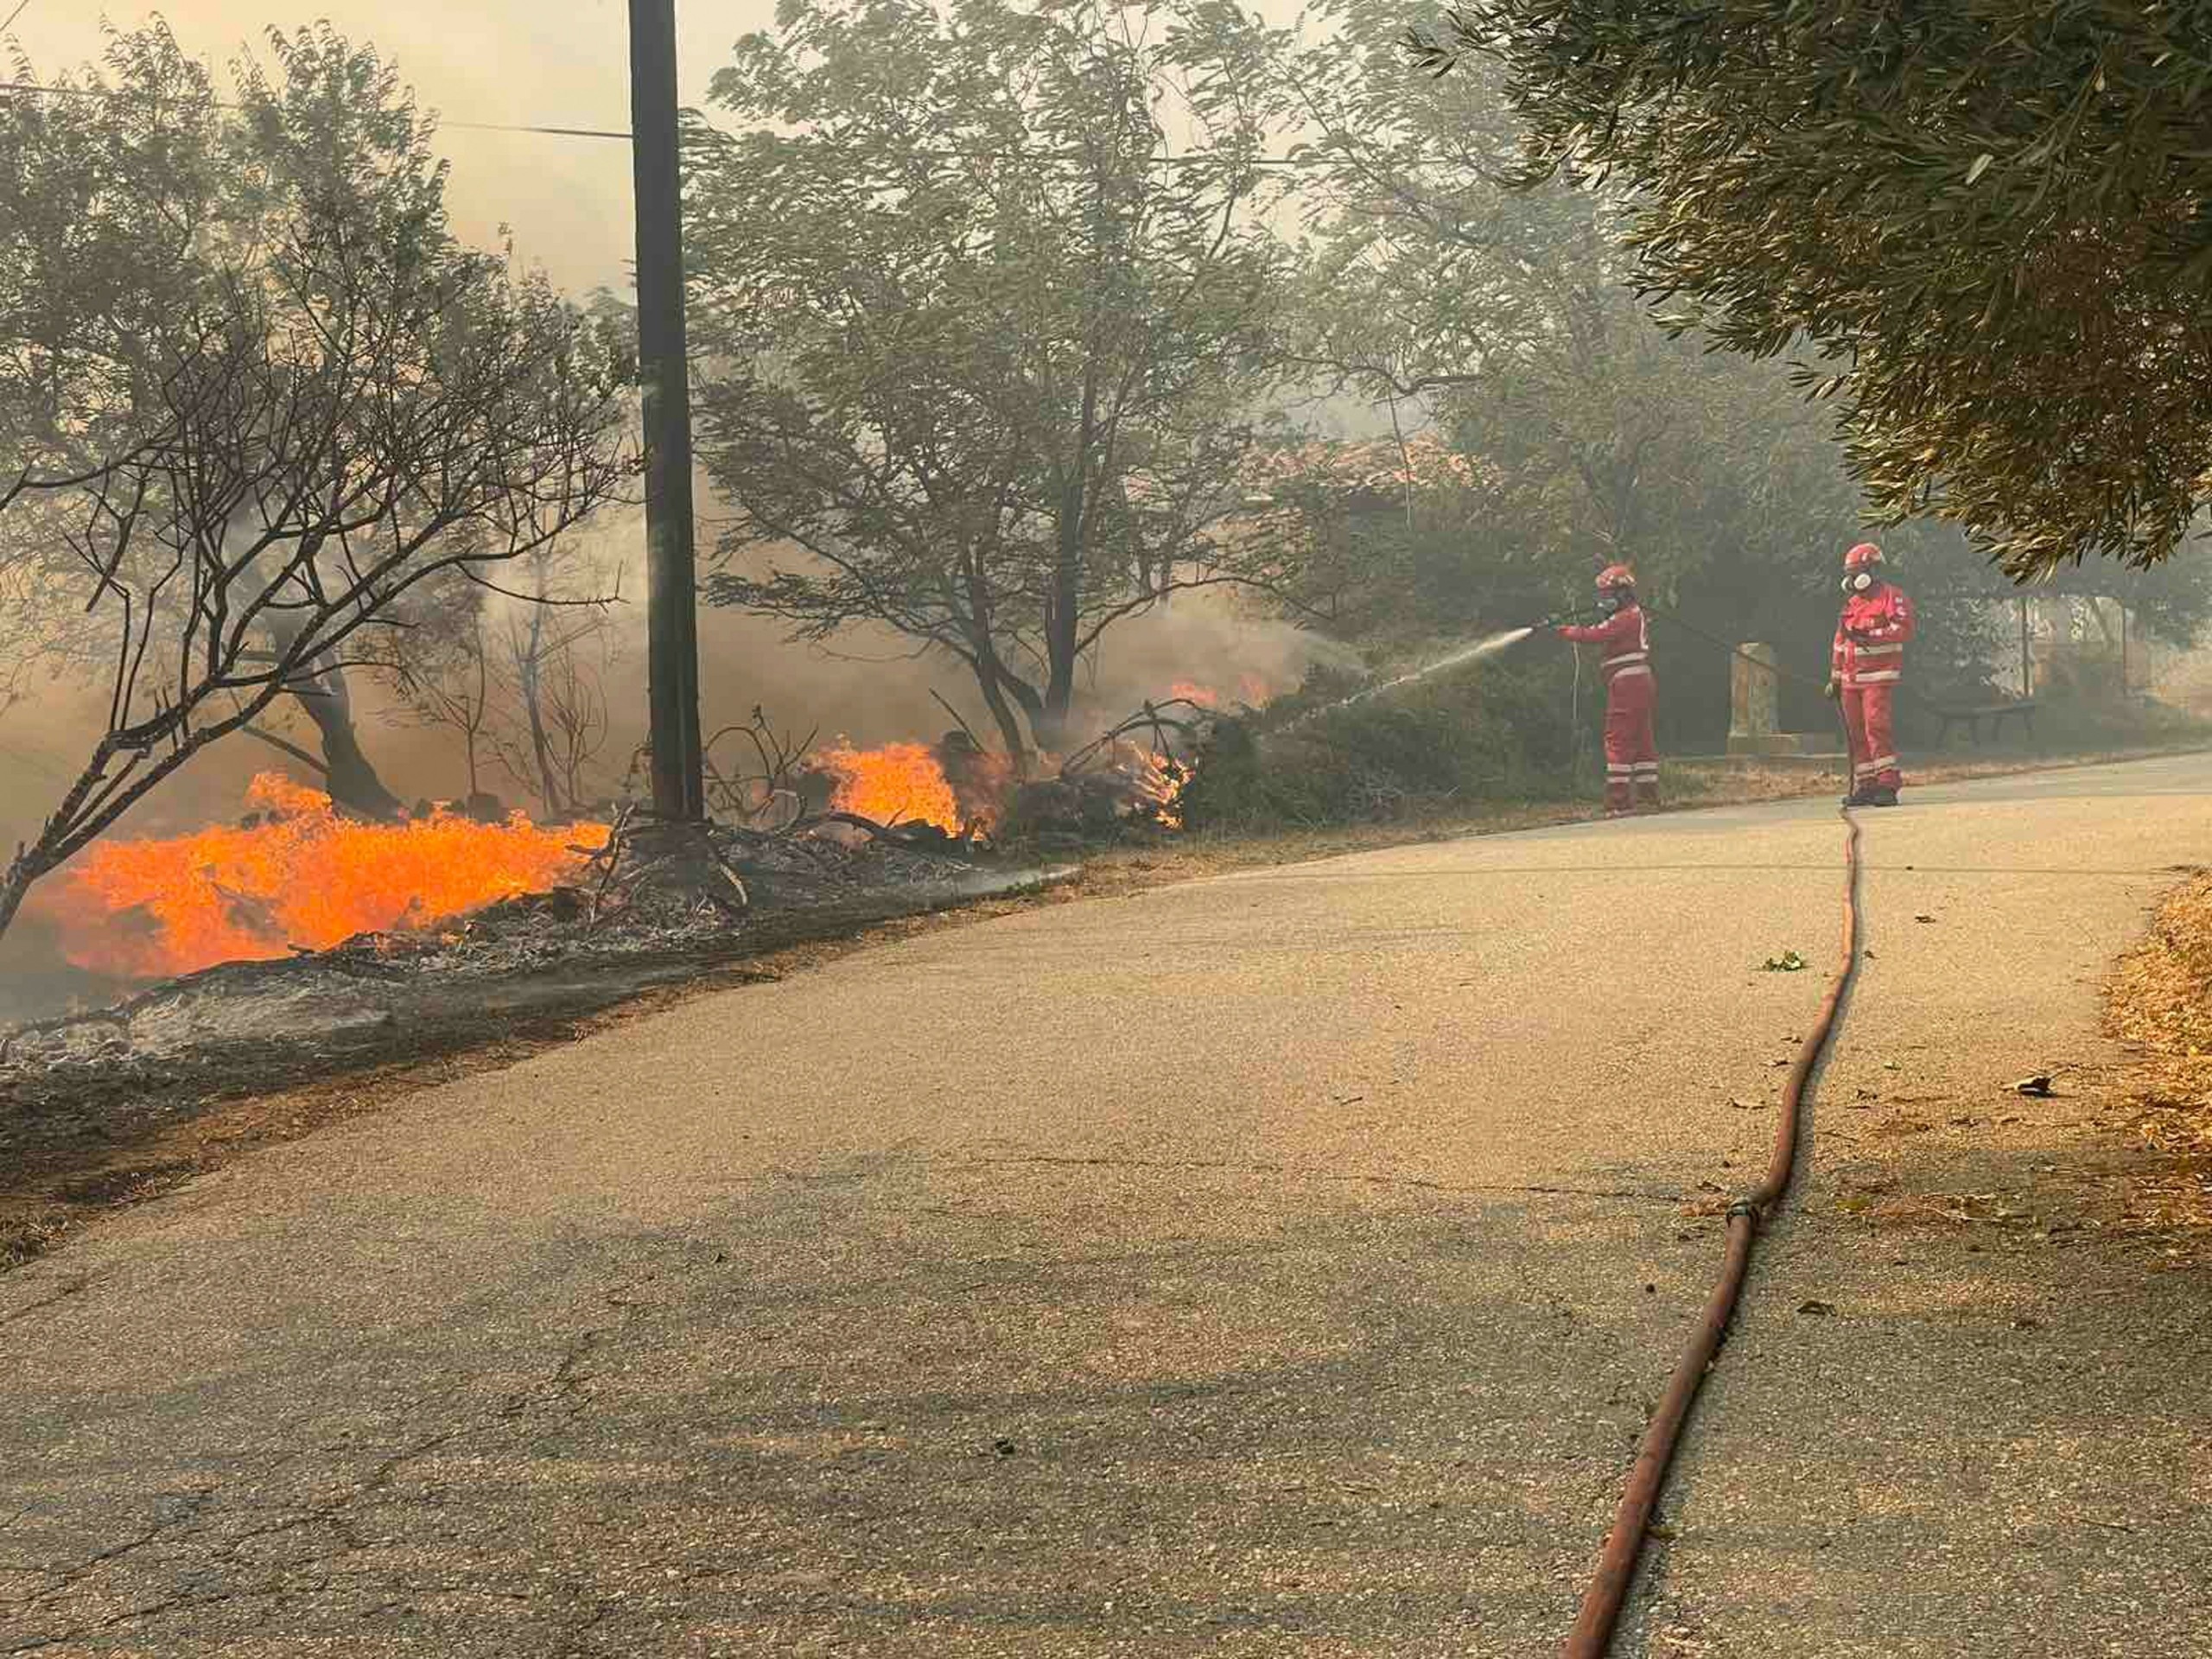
pixel 567 202
pixel 523 61
pixel 561 63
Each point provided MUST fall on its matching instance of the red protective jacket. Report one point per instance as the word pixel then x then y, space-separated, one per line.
pixel 1627 640
pixel 1870 636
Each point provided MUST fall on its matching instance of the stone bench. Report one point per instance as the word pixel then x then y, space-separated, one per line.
pixel 2020 708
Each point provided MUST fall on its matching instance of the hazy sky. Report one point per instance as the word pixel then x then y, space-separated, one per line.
pixel 549 62
pixel 561 63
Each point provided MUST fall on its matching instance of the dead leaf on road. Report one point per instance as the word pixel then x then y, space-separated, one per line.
pixel 1820 1308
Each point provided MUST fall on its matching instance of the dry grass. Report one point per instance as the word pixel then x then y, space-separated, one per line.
pixel 2160 999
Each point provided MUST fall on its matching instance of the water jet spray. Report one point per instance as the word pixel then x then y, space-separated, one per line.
pixel 1489 645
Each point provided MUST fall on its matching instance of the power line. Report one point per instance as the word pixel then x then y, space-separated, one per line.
pixel 22 6
pixel 479 126
pixel 1316 160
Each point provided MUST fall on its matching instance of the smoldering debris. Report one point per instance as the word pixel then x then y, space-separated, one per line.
pixel 580 947
pixel 641 908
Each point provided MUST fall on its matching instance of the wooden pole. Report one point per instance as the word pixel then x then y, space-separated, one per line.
pixel 672 588
pixel 2027 675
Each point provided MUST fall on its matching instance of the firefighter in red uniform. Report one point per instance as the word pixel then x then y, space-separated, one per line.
pixel 1864 667
pixel 1631 755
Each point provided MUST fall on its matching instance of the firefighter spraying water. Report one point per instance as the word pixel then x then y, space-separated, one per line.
pixel 1631 693
pixel 1866 664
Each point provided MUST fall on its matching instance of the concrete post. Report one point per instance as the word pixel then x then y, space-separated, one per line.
pixel 1753 688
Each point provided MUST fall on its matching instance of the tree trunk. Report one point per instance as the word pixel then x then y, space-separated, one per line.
pixel 473 730
pixel 23 870
pixel 1002 715
pixel 321 690
pixel 531 660
pixel 352 781
pixel 1062 614
pixel 990 675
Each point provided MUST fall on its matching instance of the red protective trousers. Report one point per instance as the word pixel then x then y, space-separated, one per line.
pixel 1631 752
pixel 1873 749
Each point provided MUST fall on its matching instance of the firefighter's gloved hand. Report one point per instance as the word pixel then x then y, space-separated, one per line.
pixel 1831 690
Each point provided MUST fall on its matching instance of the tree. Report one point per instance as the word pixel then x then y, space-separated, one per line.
pixel 1504 315
pixel 1990 218
pixel 1502 308
pixel 316 403
pixel 986 341
pixel 551 651
pixel 447 682
pixel 516 674
pixel 1395 540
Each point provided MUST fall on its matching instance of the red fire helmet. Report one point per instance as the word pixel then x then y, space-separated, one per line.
pixel 1616 575
pixel 1864 553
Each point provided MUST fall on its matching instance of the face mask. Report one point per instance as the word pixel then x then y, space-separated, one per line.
pixel 1611 600
pixel 1858 581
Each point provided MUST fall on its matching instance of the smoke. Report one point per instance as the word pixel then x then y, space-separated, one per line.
pixel 567 203
pixel 566 200
pixel 868 684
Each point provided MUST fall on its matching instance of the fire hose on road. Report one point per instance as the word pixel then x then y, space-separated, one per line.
pixel 1601 1604
pixel 1591 1635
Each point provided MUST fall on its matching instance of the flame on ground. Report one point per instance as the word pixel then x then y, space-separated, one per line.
pixel 899 782
pixel 303 876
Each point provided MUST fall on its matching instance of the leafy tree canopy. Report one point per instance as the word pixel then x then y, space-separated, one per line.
pixel 1992 216
pixel 988 313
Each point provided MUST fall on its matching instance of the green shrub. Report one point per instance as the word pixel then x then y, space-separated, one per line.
pixel 1495 731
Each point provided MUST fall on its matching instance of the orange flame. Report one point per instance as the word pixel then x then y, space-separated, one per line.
pixel 303 876
pixel 1252 690
pixel 899 782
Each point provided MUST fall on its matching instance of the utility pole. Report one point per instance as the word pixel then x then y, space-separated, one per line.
pixel 671 590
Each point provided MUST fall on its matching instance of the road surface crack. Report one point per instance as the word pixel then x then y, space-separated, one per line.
pixel 73 1286
pixel 1308 1172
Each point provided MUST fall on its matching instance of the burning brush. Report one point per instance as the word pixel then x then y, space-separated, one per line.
pixel 296 875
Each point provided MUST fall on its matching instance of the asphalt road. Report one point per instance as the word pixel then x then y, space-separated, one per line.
pixel 1273 1265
